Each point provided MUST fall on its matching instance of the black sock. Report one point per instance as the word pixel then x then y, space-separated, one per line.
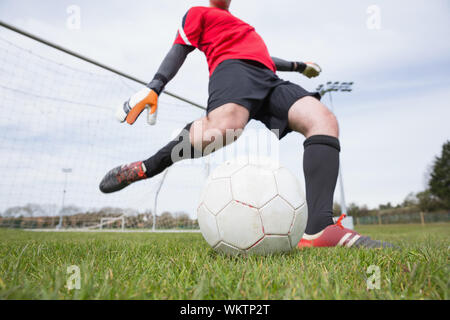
pixel 163 158
pixel 321 168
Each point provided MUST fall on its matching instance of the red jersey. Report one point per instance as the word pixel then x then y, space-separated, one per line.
pixel 221 36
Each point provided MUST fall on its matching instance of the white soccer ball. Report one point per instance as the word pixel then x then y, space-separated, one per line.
pixel 252 206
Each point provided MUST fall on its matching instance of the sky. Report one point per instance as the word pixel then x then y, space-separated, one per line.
pixel 392 124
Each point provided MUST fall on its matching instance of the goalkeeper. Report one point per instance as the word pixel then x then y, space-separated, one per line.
pixel 243 85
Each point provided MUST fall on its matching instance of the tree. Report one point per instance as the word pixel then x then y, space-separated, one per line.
pixel 356 211
pixel 337 208
pixel 70 210
pixel 440 176
pixel 20 211
pixel 385 206
pixel 428 202
pixel 410 200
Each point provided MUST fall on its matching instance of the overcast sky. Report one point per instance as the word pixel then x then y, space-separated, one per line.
pixel 392 125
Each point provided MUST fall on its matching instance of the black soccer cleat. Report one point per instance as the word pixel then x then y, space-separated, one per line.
pixel 121 177
pixel 368 243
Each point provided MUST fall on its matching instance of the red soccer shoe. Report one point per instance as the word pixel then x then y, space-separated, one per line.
pixel 338 236
pixel 121 177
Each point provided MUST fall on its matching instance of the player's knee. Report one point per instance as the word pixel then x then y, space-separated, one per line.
pixel 228 130
pixel 229 116
pixel 229 123
pixel 323 122
pixel 331 125
pixel 221 127
pixel 310 117
pixel 230 120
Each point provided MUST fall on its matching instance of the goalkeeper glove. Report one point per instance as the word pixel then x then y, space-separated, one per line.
pixel 144 99
pixel 308 69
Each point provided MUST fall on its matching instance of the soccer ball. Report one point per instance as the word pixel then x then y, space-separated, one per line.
pixel 252 206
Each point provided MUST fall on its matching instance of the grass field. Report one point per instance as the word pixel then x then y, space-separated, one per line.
pixel 182 266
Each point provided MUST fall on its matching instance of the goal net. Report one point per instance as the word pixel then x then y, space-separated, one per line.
pixel 58 138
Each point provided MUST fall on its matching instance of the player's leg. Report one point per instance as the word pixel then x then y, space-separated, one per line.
pixel 292 108
pixel 219 128
pixel 200 137
pixel 317 123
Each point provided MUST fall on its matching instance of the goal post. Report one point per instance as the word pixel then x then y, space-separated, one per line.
pixel 59 137
pixel 108 221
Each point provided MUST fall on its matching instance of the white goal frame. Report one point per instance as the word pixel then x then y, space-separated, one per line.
pixel 107 221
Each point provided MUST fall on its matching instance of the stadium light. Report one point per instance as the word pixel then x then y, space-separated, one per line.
pixel 66 172
pixel 337 86
pixel 323 89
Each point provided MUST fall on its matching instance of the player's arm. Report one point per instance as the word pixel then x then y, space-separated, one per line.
pixel 187 39
pixel 170 67
pixel 148 96
pixel 309 69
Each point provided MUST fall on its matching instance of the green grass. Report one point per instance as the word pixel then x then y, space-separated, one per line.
pixel 182 266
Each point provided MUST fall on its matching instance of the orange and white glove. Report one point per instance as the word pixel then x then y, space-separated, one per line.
pixel 146 98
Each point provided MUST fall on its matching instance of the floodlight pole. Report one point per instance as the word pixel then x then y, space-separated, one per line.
pixel 66 171
pixel 341 181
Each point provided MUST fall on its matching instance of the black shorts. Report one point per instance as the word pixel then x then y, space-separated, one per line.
pixel 258 89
